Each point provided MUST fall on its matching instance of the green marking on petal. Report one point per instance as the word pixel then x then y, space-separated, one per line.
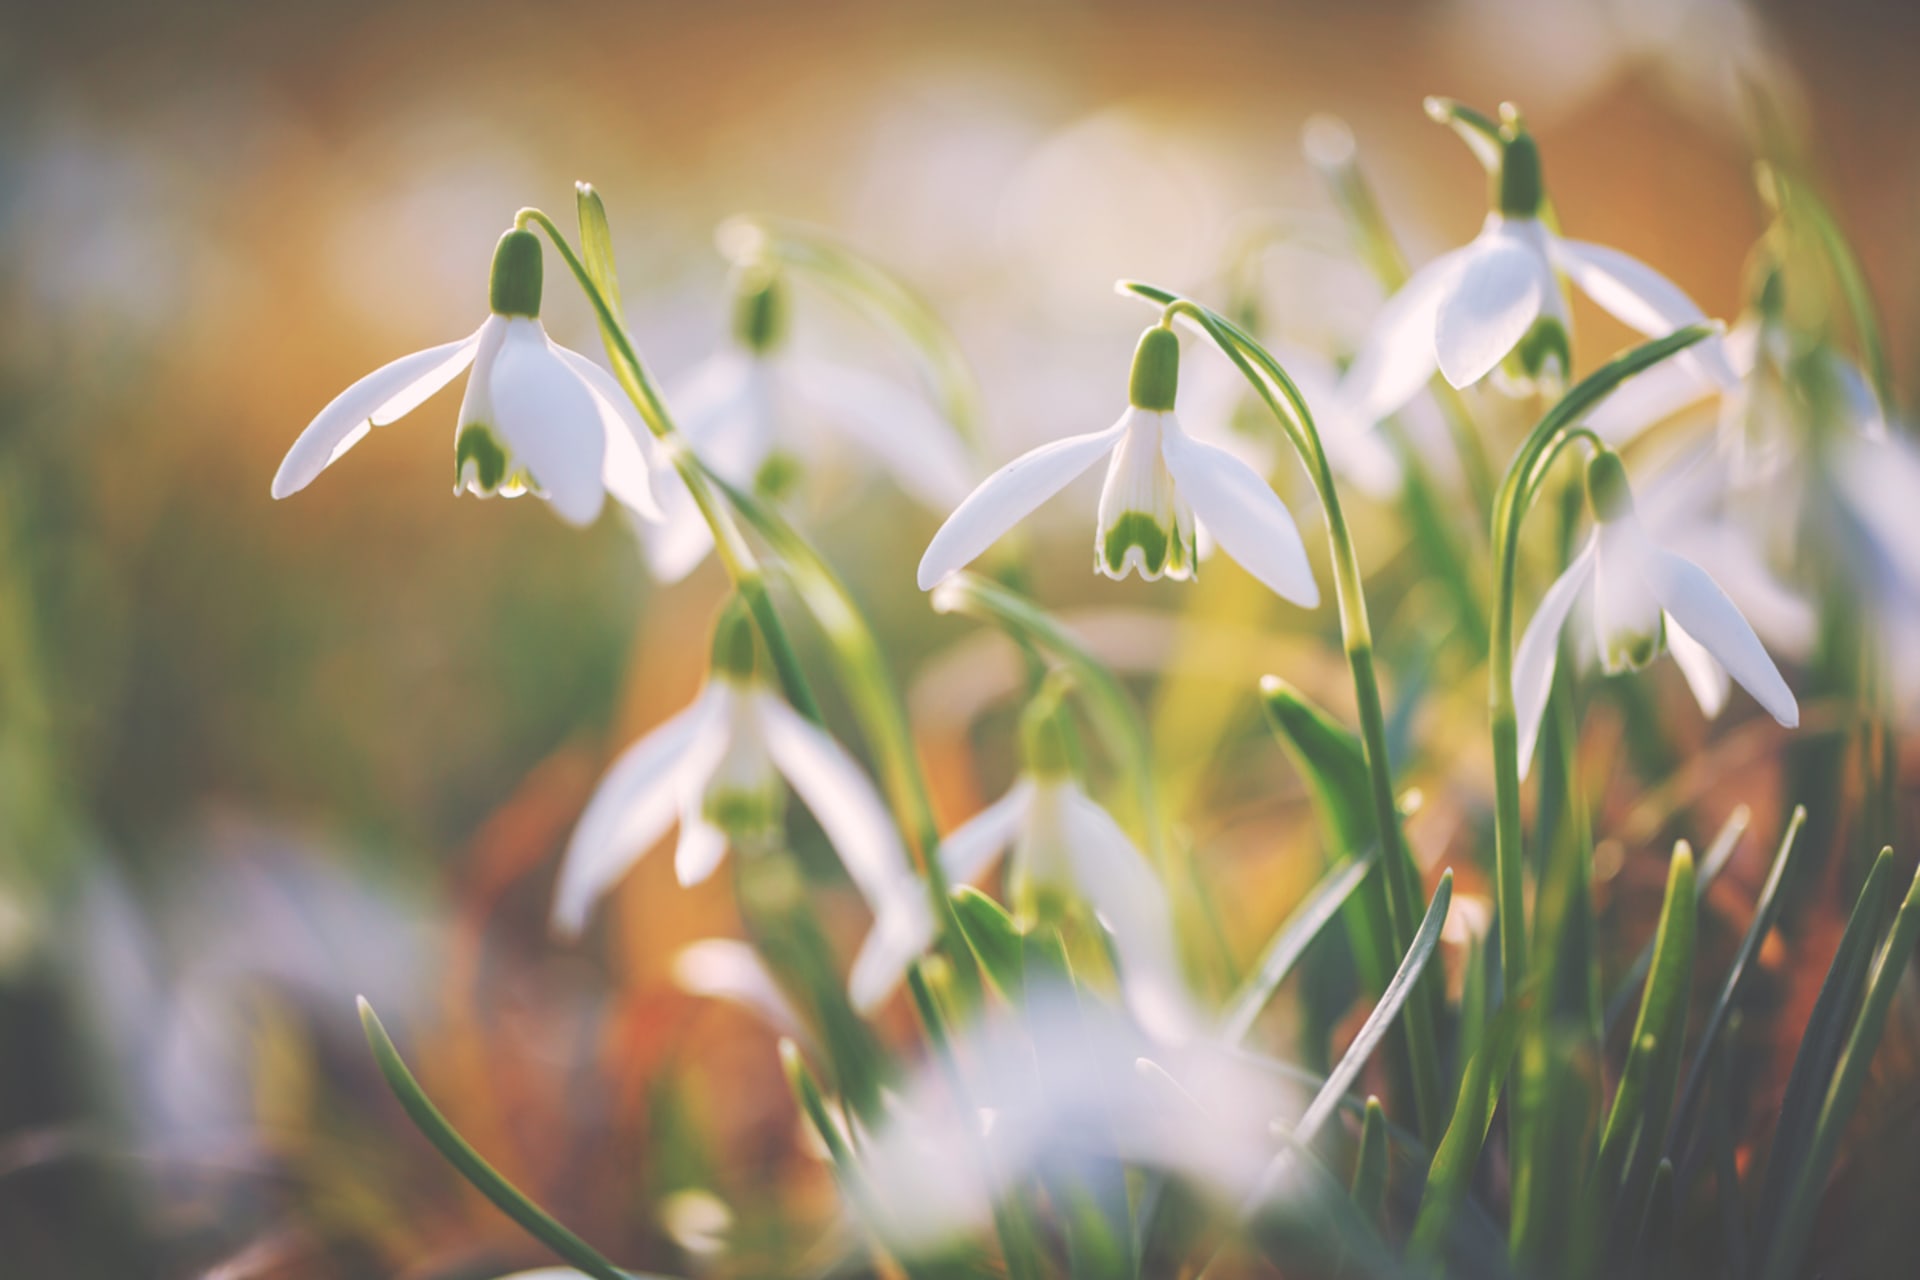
pixel 744 811
pixel 1633 650
pixel 1543 357
pixel 476 445
pixel 1136 529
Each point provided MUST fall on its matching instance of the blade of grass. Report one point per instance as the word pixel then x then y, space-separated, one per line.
pixel 1820 1043
pixel 1290 942
pixel 1849 1077
pixel 1718 854
pixel 471 1165
pixel 1766 909
pixel 1453 1163
pixel 1371 1167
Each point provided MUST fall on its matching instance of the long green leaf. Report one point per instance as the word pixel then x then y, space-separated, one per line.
pixel 471 1165
pixel 1766 909
pixel 994 937
pixel 1718 855
pixel 1290 942
pixel 1821 1042
pixel 1636 1123
pixel 1459 1152
pixel 596 243
pixel 1371 1167
pixel 1849 1077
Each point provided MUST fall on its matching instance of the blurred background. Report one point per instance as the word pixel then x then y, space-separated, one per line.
pixel 256 758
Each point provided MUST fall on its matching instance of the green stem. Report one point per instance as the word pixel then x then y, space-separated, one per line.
pixel 736 556
pixel 1517 492
pixel 1402 877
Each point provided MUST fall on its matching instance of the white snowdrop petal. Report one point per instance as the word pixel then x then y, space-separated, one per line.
pixel 1398 356
pixel 1705 677
pixel 902 931
pixel 1242 513
pixel 836 791
pixel 1007 497
pixel 1497 296
pixel 549 421
pixel 675 546
pixel 1786 620
pixel 1115 878
pixel 1539 650
pixel 907 435
pixel 379 398
pixel 702 847
pixel 1640 298
pixel 1626 614
pixel 728 969
pixel 626 471
pixel 970 849
pixel 723 408
pixel 1648 398
pixel 632 808
pixel 1697 603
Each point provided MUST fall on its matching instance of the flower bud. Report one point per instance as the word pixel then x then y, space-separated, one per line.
pixel 1607 487
pixel 735 644
pixel 1156 371
pixel 515 286
pixel 759 308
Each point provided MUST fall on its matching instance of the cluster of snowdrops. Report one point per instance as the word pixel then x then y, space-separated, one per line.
pixel 1077 1105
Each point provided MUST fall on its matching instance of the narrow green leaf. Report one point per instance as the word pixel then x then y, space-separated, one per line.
pixel 1328 757
pixel 1453 1163
pixel 1557 1084
pixel 1766 910
pixel 471 1165
pixel 1849 1077
pixel 1726 1165
pixel 1287 945
pixel 1636 1124
pixel 994 937
pixel 1655 1242
pixel 1821 1043
pixel 1370 1168
pixel 1718 855
pixel 596 243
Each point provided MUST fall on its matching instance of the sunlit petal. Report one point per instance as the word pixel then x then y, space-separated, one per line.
pixel 903 929
pixel 1243 514
pixel 835 789
pixel 1398 358
pixel 971 848
pixel 907 435
pixel 625 470
pixel 1498 294
pixel 1706 677
pixel 1626 614
pixel 375 400
pixel 1697 603
pixel 1640 298
pixel 1009 496
pixel 631 809
pixel 727 969
pixel 1539 650
pixel 550 421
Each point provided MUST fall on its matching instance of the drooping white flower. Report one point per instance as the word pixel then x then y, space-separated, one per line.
pixel 536 418
pixel 1159 482
pixel 1644 598
pixel 731 970
pixel 1497 302
pixel 721 769
pixel 753 410
pixel 1068 849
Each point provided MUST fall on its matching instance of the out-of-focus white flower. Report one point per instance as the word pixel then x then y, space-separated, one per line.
pixel 728 969
pixel 1067 849
pixel 1215 392
pixel 536 418
pixel 721 769
pixel 1159 481
pixel 1877 488
pixel 1644 598
pixel 1497 302
pixel 750 412
pixel 1061 1091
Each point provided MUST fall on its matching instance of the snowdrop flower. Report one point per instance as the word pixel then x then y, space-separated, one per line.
pixel 749 412
pixel 537 418
pixel 1644 598
pixel 1159 482
pixel 1067 849
pixel 721 769
pixel 1497 305
pixel 728 969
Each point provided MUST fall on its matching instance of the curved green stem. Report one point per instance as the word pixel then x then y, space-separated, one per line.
pixel 1402 877
pixel 1517 492
pixel 736 556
